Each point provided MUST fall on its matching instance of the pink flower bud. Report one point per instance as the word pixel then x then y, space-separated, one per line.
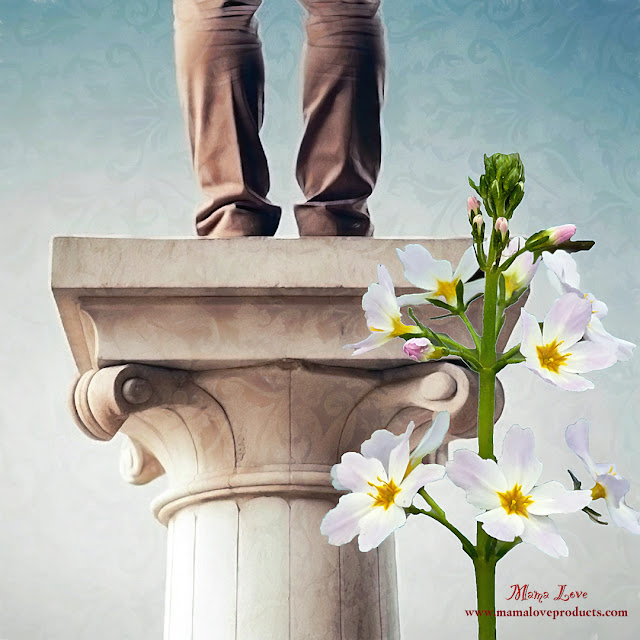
pixel 559 235
pixel 473 205
pixel 478 222
pixel 418 349
pixel 502 227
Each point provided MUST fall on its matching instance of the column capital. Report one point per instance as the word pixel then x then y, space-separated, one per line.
pixel 263 430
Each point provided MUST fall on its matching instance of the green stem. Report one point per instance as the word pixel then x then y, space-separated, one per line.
pixel 487 382
pixel 510 357
pixel 485 562
pixel 437 513
pixel 486 591
pixel 431 502
pixel 505 547
pixel 467 546
pixel 471 329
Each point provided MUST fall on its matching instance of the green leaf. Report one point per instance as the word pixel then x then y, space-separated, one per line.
pixel 502 287
pixel 573 246
pixel 576 483
pixel 442 305
pixel 460 294
pixel 412 315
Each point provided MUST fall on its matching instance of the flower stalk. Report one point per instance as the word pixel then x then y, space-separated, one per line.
pixel 386 477
pixel 485 569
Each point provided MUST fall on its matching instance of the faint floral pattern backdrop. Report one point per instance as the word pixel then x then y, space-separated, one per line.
pixel 92 142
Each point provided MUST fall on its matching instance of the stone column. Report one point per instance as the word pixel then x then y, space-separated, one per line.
pixel 231 381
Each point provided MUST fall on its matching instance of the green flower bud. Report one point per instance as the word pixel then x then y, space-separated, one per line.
pixel 502 184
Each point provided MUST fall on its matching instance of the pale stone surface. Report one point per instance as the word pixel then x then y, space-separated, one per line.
pixel 254 401
pixel 200 304
pixel 215 570
pixel 315 577
pixel 263 568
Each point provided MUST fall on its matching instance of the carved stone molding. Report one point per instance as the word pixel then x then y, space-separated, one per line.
pixel 263 430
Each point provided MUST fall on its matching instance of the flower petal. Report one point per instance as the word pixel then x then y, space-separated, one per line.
pixel 531 336
pixel 334 480
pixel 399 461
pixel 384 278
pixel 432 438
pixel 472 289
pixel 519 275
pixel 541 532
pixel 625 517
pixel 481 479
pixel 422 475
pixel 564 267
pixel 422 269
pixel 383 442
pixel 380 307
pixel 590 356
pixel 518 461
pixel 467 266
pixel 500 525
pixel 577 437
pixel 378 524
pixel 563 379
pixel 598 308
pixel 597 333
pixel 355 472
pixel 371 342
pixel 567 320
pixel 412 299
pixel 380 445
pixel 616 488
pixel 515 244
pixel 342 523
pixel 552 497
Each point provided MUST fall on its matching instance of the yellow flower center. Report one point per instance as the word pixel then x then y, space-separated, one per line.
pixel 598 491
pixel 447 289
pixel 550 358
pixel 387 491
pixel 399 328
pixel 513 501
pixel 510 285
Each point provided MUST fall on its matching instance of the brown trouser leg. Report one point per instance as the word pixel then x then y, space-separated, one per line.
pixel 220 81
pixel 339 156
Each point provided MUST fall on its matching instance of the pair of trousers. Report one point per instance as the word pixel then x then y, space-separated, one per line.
pixel 220 73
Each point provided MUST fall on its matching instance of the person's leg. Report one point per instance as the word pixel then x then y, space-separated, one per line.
pixel 220 81
pixel 339 156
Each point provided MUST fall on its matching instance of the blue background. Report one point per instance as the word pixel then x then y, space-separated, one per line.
pixel 92 142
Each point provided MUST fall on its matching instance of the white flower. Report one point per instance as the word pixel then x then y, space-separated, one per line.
pixel 557 353
pixel 506 490
pixel 437 277
pixel 382 313
pixel 383 479
pixel 567 279
pixel 519 274
pixel 608 484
